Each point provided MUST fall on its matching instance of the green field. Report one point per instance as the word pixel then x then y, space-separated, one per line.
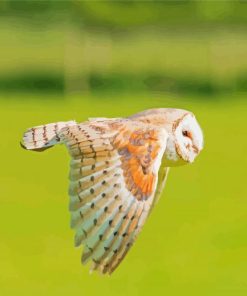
pixel 194 243
pixel 65 60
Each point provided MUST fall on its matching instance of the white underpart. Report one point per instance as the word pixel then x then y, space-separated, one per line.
pixel 163 144
pixel 157 163
pixel 171 153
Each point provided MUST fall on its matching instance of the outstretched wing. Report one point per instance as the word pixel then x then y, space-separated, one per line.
pixel 114 175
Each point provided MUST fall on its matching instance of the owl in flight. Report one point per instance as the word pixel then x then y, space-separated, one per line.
pixel 118 170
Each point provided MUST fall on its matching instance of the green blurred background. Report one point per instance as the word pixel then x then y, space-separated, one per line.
pixel 63 60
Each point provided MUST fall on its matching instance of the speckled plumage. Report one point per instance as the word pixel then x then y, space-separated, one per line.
pixel 117 173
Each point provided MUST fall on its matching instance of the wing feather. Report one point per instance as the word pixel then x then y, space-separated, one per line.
pixel 113 179
pixel 137 225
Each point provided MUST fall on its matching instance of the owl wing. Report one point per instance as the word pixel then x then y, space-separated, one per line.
pixel 113 178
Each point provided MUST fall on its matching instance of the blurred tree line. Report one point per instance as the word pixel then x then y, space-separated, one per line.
pixel 181 46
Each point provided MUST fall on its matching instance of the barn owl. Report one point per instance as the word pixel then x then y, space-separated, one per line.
pixel 118 170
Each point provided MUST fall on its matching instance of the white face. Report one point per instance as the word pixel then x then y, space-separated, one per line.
pixel 185 141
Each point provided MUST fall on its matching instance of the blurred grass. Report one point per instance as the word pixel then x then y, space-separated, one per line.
pixel 195 240
pixel 26 47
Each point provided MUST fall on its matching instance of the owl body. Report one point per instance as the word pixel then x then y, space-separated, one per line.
pixel 118 170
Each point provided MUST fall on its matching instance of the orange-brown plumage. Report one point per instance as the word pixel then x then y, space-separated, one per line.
pixel 138 150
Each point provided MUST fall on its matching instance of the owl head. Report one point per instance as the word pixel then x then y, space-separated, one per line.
pixel 185 139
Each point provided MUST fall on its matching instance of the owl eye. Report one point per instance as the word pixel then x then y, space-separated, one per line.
pixel 187 134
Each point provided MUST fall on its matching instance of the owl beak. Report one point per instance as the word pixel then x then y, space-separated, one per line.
pixel 196 149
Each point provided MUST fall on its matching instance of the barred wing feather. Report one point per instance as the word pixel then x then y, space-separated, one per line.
pixel 113 179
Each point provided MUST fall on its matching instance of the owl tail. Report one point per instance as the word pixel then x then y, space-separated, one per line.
pixel 42 137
